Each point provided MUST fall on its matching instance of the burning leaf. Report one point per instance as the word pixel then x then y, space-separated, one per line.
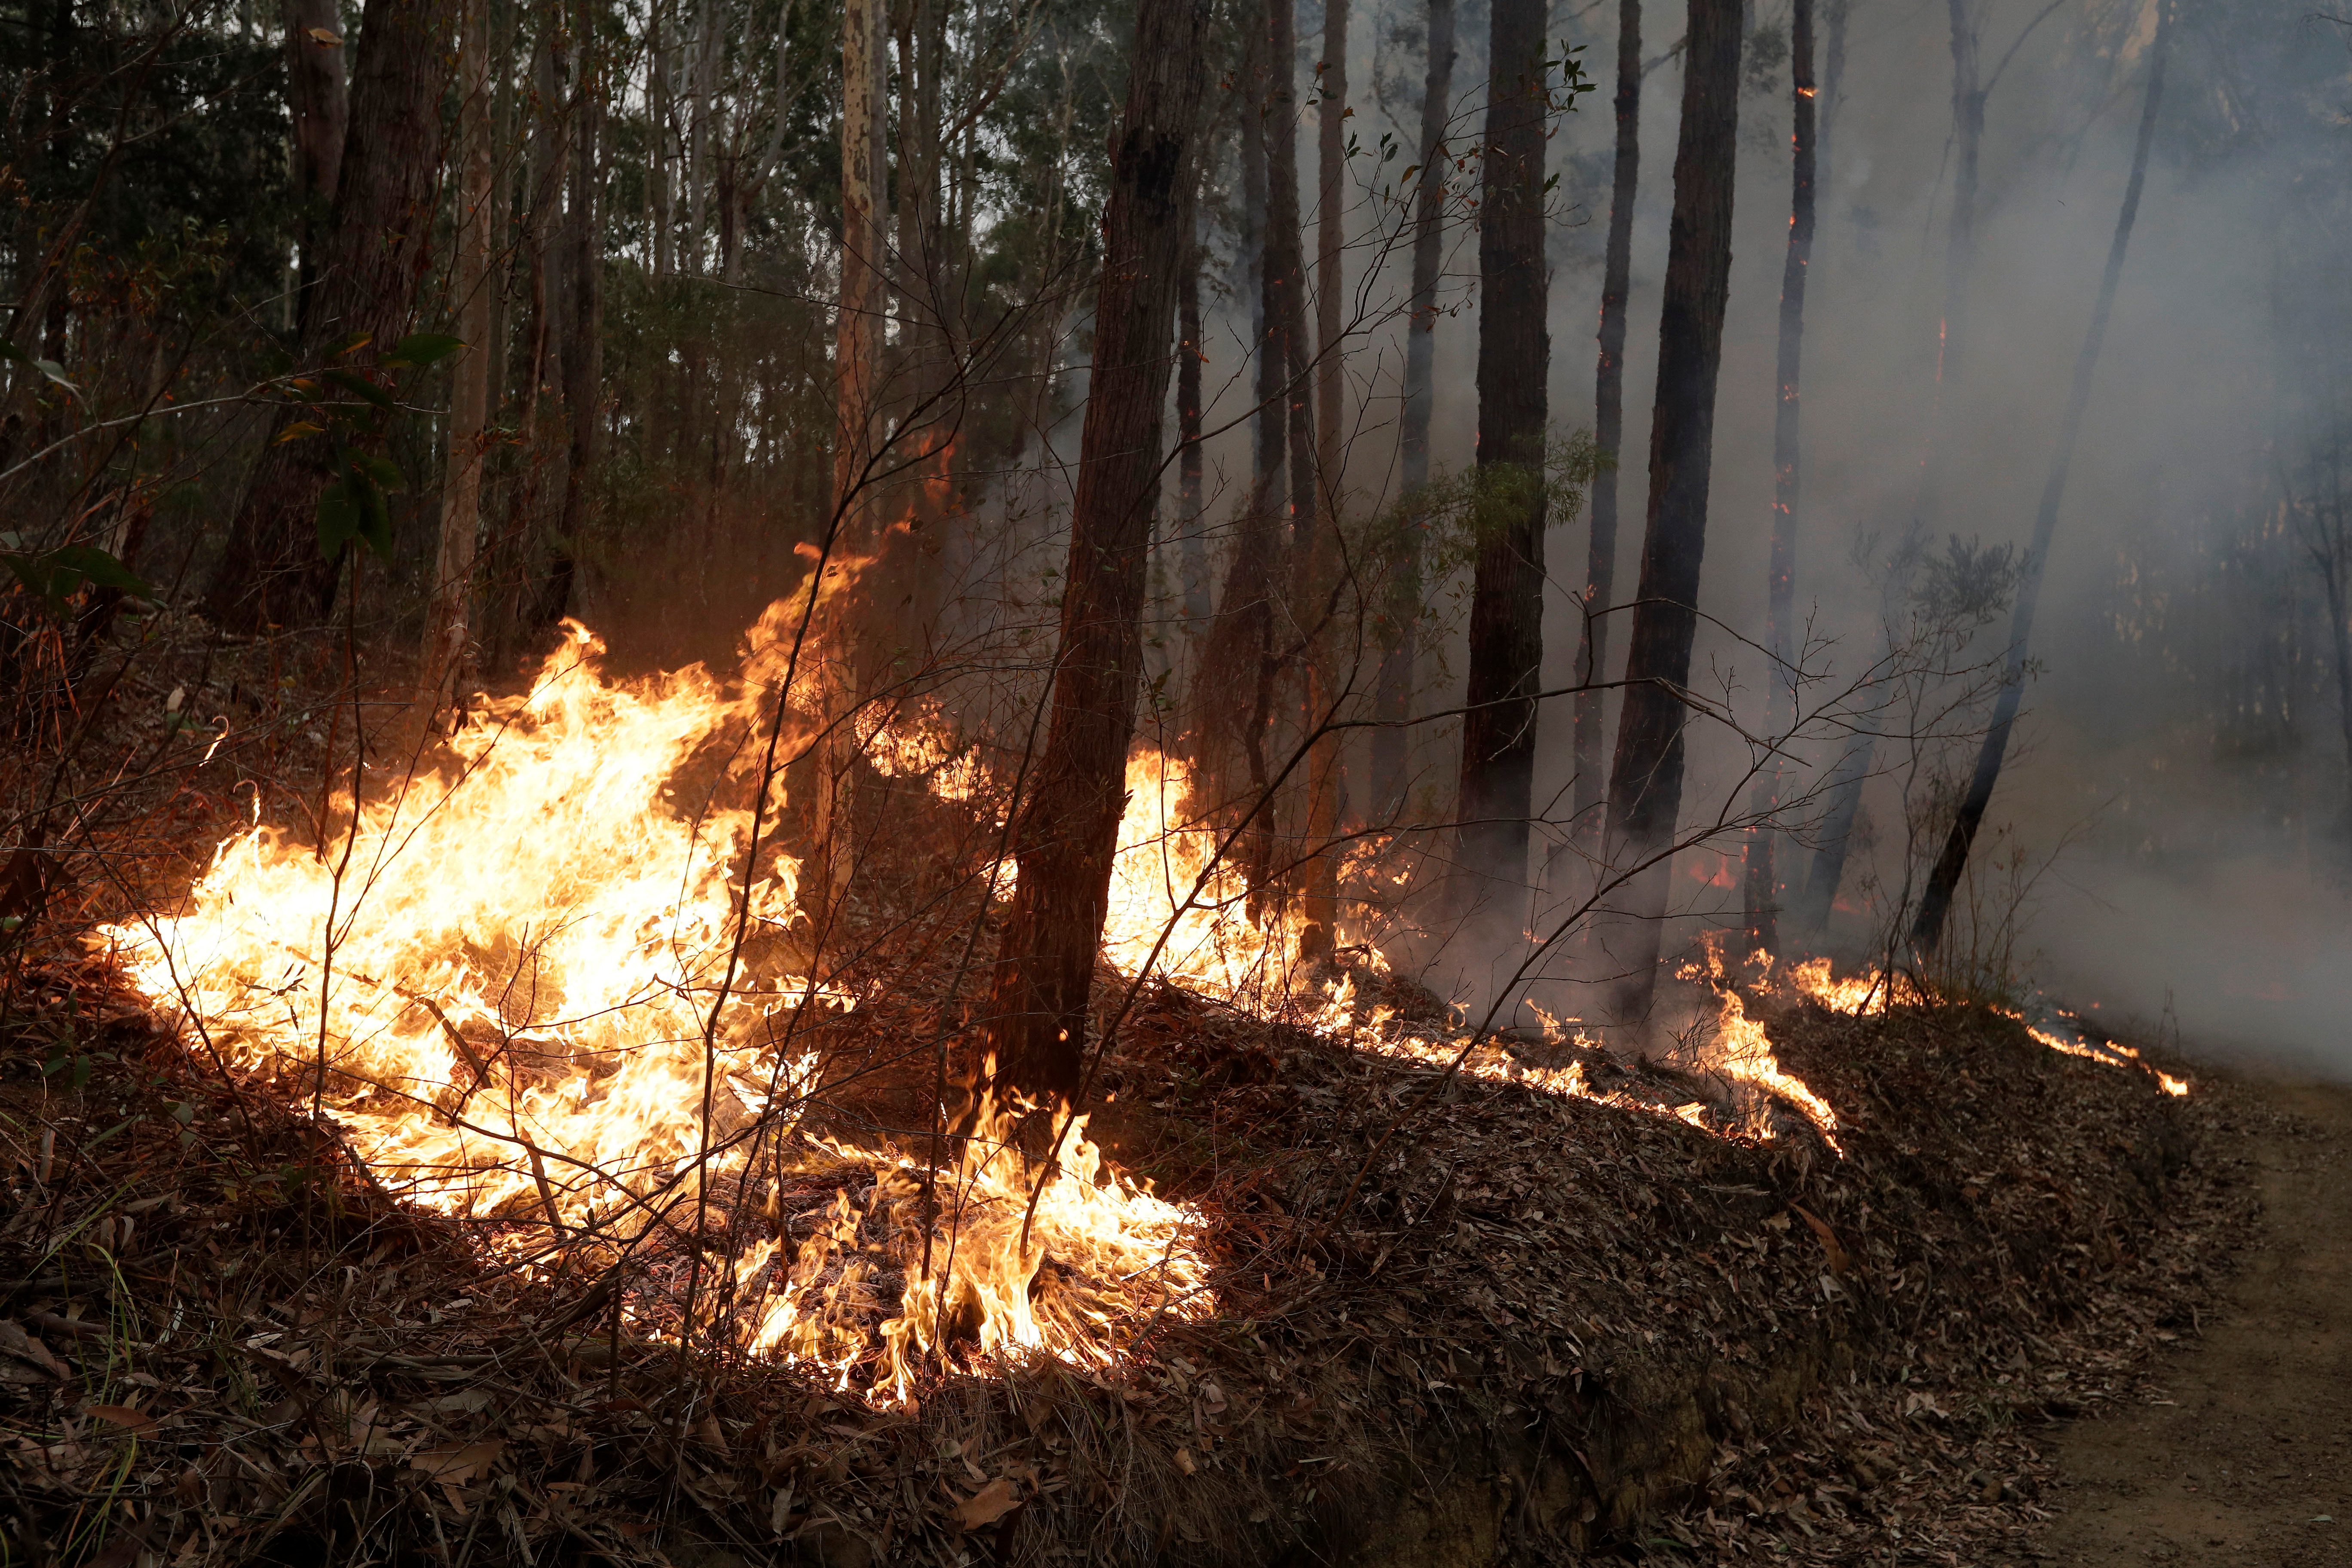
pixel 986 1506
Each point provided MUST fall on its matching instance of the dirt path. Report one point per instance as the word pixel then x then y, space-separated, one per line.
pixel 2252 1463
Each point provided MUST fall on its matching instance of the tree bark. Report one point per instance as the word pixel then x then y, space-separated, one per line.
pixel 446 617
pixel 375 255
pixel 1400 626
pixel 1609 437
pixel 1192 548
pixel 1936 904
pixel 318 99
pixel 1318 555
pixel 1762 889
pixel 584 349
pixel 1506 652
pixel 1068 829
pixel 1645 782
pixel 859 327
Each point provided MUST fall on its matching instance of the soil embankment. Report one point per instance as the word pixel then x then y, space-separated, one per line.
pixel 2245 1456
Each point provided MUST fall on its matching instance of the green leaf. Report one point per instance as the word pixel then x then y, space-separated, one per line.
pixel 358 385
pixel 88 562
pixel 420 349
pixel 382 471
pixel 339 519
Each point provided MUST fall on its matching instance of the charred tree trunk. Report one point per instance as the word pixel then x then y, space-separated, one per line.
pixel 857 331
pixel 1763 893
pixel 1399 624
pixel 1609 437
pixel 1241 643
pixel 375 255
pixel 318 100
pixel 1843 786
pixel 1505 653
pixel 446 621
pixel 1192 548
pixel 1068 829
pixel 1936 904
pixel 1645 784
pixel 584 349
pixel 1319 553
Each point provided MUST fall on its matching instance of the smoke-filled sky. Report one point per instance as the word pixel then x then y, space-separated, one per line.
pixel 2180 780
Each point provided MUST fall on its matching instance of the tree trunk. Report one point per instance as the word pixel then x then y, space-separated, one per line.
pixel 318 100
pixel 1845 785
pixel 1191 547
pixel 1319 552
pixel 1505 653
pixel 446 628
pixel 583 320
pixel 1927 931
pixel 858 333
pixel 1068 829
pixel 1645 782
pixel 1609 437
pixel 370 265
pixel 1241 652
pixel 658 102
pixel 1763 893
pixel 1399 624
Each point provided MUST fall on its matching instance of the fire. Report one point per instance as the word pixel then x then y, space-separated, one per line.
pixel 1212 942
pixel 537 984
pixel 1742 1052
pixel 1813 981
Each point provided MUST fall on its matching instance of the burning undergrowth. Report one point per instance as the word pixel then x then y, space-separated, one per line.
pixel 1320 1270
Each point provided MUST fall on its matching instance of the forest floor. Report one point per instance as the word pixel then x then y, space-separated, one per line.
pixel 2245 1454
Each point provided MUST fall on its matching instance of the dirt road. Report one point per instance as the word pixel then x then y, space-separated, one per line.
pixel 2251 1462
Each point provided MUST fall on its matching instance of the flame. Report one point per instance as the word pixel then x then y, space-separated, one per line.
pixel 1813 981
pixel 1741 1051
pixel 531 987
pixel 1212 940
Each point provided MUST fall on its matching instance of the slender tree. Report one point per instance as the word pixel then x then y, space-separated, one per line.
pixel 1936 903
pixel 583 348
pixel 1645 782
pixel 377 244
pixel 1506 652
pixel 1192 546
pixel 445 620
pixel 1609 437
pixel 858 324
pixel 1068 829
pixel 1392 696
pixel 1763 893
pixel 1319 558
pixel 1971 90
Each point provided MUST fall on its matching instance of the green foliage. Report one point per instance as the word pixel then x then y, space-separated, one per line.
pixel 55 577
pixel 1455 514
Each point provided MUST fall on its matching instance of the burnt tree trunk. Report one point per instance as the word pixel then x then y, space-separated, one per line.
pixel 1068 829
pixel 1843 787
pixel 373 256
pixel 1609 437
pixel 1506 652
pixel 1762 892
pixel 1241 641
pixel 1645 782
pixel 1191 547
pixel 1401 620
pixel 1927 931
pixel 1319 553
pixel 448 620
pixel 583 351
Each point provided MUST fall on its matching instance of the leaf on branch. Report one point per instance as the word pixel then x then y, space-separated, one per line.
pixel 331 40
pixel 418 350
